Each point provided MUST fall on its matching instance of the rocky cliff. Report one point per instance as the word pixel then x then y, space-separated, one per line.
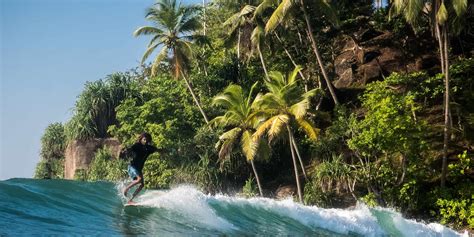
pixel 79 154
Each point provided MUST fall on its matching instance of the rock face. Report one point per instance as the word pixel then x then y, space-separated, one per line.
pixel 79 154
pixel 372 55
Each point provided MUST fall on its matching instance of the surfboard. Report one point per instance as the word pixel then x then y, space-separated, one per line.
pixel 132 204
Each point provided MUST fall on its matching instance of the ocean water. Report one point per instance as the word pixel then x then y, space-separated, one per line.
pixel 63 207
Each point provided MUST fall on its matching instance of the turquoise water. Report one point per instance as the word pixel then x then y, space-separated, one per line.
pixel 51 207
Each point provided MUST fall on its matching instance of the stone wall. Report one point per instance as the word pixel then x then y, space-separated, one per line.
pixel 79 154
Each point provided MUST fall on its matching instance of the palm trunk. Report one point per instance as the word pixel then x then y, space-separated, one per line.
pixel 298 154
pixel 291 59
pixel 263 62
pixel 447 128
pixel 238 45
pixel 204 16
pixel 316 52
pixel 194 97
pixel 295 166
pixel 256 177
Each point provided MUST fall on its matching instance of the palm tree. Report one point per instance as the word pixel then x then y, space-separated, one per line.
pixel 257 38
pixel 438 13
pixel 241 24
pixel 280 15
pixel 173 30
pixel 284 107
pixel 241 119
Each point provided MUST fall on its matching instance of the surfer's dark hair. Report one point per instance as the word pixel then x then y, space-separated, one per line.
pixel 146 135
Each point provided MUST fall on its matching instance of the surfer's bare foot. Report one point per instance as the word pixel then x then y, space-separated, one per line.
pixel 130 202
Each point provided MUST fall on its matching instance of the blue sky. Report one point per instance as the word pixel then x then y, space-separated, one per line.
pixel 49 49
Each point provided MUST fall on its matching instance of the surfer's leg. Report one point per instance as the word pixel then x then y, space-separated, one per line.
pixel 140 180
pixel 135 182
pixel 133 173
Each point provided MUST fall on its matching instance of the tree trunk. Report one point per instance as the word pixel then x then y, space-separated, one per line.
pixel 263 62
pixel 316 52
pixel 204 16
pixel 256 177
pixel 295 166
pixel 194 97
pixel 291 58
pixel 447 128
pixel 298 154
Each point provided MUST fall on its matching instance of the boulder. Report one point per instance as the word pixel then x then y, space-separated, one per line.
pixel 285 191
pixel 371 56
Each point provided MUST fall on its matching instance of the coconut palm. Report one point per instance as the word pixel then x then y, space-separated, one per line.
pixel 258 35
pixel 281 14
pixel 441 14
pixel 173 31
pixel 285 107
pixel 241 119
pixel 240 28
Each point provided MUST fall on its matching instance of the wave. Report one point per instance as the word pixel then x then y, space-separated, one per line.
pixel 49 207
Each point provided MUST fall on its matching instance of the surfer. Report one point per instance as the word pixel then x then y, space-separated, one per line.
pixel 138 153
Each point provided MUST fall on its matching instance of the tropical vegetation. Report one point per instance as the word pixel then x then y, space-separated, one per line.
pixel 345 101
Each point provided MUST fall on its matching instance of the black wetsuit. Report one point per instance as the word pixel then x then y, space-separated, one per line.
pixel 140 154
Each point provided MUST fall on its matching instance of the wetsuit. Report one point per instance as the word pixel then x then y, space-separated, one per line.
pixel 140 154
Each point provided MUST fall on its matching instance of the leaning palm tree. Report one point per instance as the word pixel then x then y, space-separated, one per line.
pixel 173 31
pixel 285 107
pixel 241 119
pixel 281 14
pixel 442 15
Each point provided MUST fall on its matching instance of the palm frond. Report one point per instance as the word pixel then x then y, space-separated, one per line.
pixel 262 129
pixel 294 74
pixel 299 109
pixel 232 134
pixel 159 58
pixel 278 124
pixel 147 53
pixel 249 147
pixel 460 6
pixel 147 30
pixel 309 128
pixel 266 4
pixel 279 14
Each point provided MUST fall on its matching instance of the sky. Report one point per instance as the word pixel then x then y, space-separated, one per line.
pixel 49 49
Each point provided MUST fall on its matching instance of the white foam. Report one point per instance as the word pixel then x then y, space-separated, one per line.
pixel 340 221
pixel 194 205
pixel 187 201
pixel 413 228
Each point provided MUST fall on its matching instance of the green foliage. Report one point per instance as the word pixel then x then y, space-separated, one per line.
pixel 250 188
pixel 166 112
pixel 105 167
pixel 94 110
pixel 313 195
pixel 459 168
pixel 42 170
pixel 333 175
pixel 53 145
pixel 157 172
pixel 369 200
pixel 389 125
pixel 53 142
pixel 388 141
pixel 205 174
pixel 457 212
pixel 80 174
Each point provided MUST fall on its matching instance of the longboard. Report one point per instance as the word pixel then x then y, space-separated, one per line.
pixel 131 204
